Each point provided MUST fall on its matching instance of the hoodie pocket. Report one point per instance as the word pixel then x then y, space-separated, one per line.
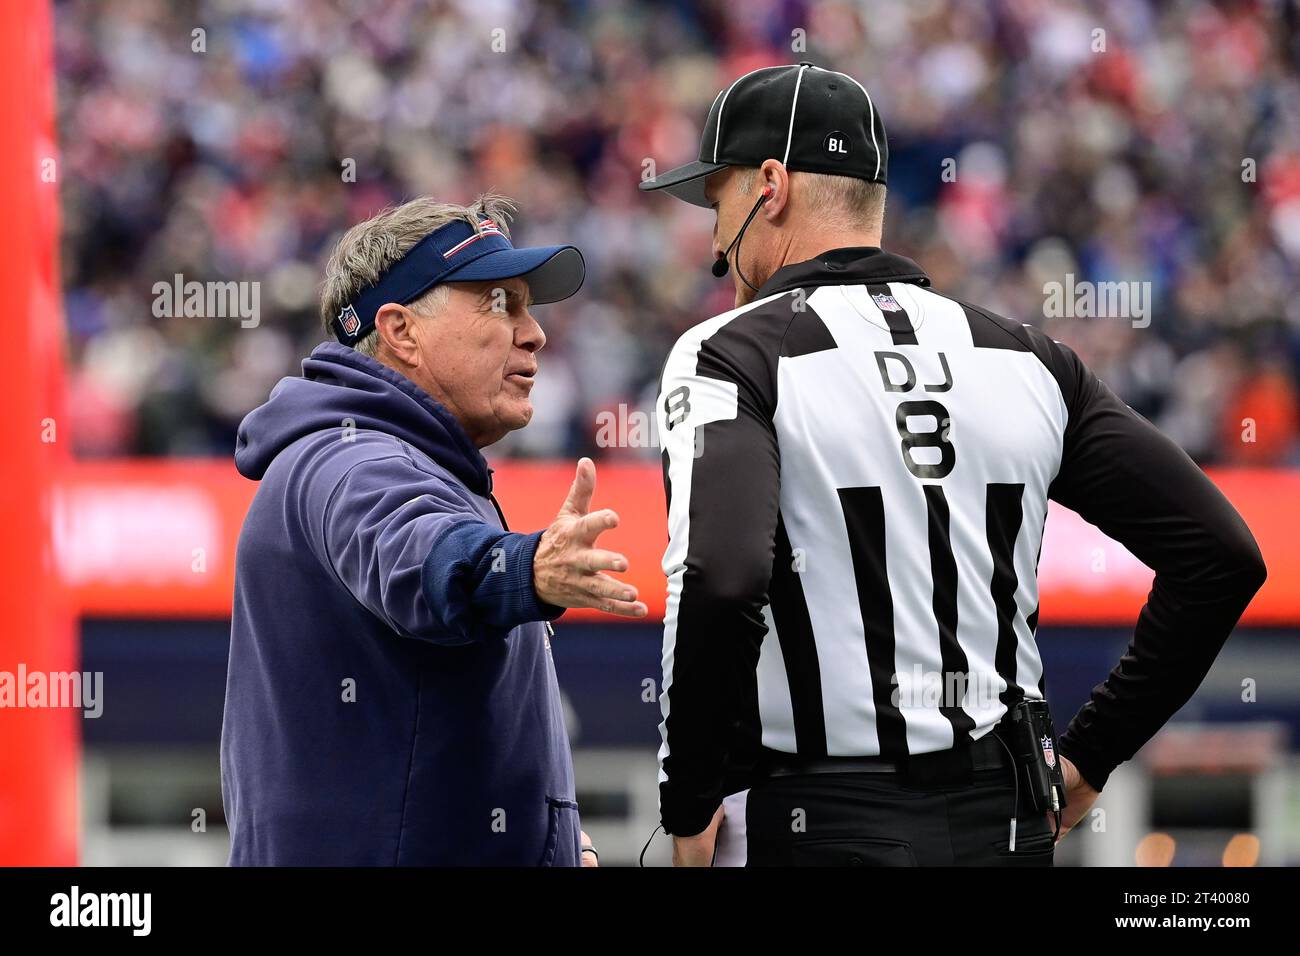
pixel 561 830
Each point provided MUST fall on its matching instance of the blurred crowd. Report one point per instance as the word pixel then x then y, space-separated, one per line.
pixel 1030 140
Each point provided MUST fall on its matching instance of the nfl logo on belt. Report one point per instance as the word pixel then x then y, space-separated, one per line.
pixel 1049 752
pixel 887 303
pixel 349 320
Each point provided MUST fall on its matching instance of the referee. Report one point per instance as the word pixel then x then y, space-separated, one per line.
pixel 858 469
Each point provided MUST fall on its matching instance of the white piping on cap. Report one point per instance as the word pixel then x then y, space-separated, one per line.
pixel 872 121
pixel 719 126
pixel 793 106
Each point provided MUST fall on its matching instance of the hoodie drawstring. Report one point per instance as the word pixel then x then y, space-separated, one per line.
pixel 500 514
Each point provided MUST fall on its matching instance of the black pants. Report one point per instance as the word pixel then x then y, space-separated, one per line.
pixel 881 819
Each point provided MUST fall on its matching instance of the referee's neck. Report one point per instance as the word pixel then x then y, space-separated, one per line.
pixel 804 244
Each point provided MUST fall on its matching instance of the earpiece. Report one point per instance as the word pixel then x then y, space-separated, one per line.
pixel 720 266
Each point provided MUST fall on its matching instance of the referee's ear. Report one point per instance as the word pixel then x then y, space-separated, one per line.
pixel 773 175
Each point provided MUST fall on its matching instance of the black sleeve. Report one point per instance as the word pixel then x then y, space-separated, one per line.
pixel 1121 474
pixel 722 474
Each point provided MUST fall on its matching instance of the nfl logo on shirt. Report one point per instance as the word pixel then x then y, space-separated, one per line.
pixel 349 320
pixel 887 303
pixel 1049 752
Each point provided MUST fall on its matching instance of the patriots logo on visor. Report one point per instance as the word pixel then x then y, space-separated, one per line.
pixel 349 321
pixel 887 303
pixel 486 228
pixel 1049 752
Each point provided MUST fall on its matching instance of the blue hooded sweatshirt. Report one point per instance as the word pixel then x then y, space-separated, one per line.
pixel 390 697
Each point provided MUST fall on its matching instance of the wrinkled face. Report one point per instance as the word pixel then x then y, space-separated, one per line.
pixel 478 356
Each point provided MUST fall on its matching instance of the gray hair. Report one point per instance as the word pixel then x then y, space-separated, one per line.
pixel 845 199
pixel 369 248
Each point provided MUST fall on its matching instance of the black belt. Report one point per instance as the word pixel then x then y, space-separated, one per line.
pixel 987 753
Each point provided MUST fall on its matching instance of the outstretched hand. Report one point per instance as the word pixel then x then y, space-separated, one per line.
pixel 568 568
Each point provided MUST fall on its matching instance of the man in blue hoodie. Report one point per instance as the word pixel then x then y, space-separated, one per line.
pixel 390 697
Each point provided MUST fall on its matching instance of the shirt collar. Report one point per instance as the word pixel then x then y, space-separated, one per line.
pixel 850 265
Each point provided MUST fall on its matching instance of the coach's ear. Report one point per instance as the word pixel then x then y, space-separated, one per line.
pixel 774 174
pixel 395 325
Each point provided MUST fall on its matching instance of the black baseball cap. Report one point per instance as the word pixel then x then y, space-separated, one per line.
pixel 813 120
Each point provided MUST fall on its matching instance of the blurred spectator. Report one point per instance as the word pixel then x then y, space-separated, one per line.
pixel 233 140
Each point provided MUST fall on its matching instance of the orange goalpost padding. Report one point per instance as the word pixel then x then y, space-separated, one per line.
pixel 39 743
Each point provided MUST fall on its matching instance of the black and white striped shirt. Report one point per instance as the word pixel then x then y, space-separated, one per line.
pixel 858 470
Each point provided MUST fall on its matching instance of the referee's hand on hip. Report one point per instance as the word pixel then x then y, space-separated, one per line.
pixel 568 567
pixel 1079 798
pixel 698 850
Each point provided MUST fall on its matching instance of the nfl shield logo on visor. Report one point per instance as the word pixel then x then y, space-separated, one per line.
pixel 349 321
